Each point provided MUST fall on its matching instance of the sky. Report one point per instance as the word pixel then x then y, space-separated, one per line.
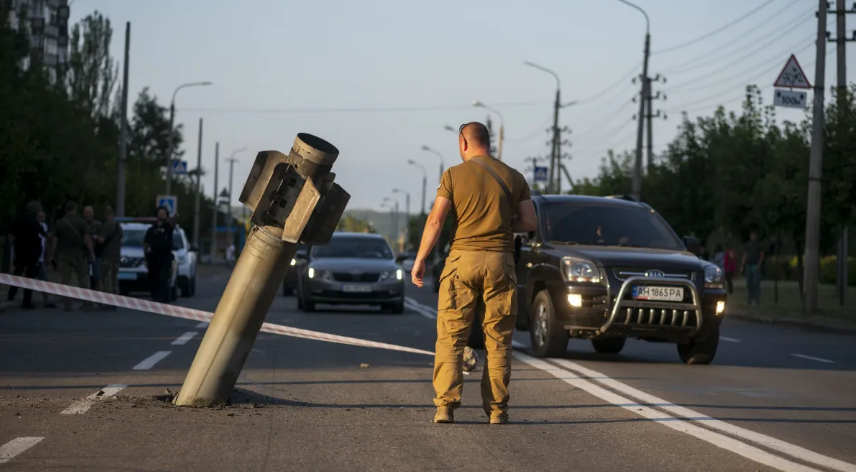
pixel 380 79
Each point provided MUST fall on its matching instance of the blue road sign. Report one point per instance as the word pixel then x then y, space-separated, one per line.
pixel 179 167
pixel 168 201
pixel 540 174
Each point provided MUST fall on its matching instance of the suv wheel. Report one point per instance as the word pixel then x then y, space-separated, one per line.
pixel 394 308
pixel 549 339
pixel 700 350
pixel 192 286
pixel 609 345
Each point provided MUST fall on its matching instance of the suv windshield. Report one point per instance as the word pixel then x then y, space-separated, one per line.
pixel 607 225
pixel 137 237
pixel 363 248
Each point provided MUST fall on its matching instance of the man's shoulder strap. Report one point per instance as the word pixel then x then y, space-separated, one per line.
pixel 505 189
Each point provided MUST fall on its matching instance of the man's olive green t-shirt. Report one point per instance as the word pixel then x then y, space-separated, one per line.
pixel 70 232
pixel 479 206
pixel 111 231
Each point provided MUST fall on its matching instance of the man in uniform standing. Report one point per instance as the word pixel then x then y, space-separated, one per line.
pixel 94 229
pixel 73 249
pixel 158 251
pixel 110 239
pixel 490 201
pixel 26 235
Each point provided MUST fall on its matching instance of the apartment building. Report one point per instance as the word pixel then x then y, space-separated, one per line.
pixel 47 25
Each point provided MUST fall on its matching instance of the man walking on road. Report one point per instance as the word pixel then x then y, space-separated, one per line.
pixel 158 253
pixel 490 201
pixel 74 250
pixel 110 240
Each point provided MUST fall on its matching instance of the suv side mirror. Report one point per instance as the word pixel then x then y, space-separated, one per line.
pixel 693 245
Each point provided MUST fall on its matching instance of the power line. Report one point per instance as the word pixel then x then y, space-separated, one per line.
pixel 356 109
pixel 611 133
pixel 533 134
pixel 612 86
pixel 692 84
pixel 716 31
pixel 717 54
pixel 611 117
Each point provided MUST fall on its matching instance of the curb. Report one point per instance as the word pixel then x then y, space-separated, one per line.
pixel 818 324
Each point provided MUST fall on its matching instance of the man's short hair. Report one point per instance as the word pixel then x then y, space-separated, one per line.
pixel 70 206
pixel 476 134
pixel 108 210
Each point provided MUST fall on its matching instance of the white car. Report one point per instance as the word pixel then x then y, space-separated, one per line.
pixel 133 274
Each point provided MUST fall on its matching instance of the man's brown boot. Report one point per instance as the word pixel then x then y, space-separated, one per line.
pixel 445 414
pixel 498 418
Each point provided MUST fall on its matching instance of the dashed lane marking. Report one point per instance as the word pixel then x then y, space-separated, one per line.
pixel 730 340
pixel 15 447
pixel 150 361
pixel 184 338
pixel 812 358
pixel 83 406
pixel 202 324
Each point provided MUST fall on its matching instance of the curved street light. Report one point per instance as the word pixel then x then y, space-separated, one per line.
pixel 637 167
pixel 424 181
pixel 501 126
pixel 442 162
pixel 171 126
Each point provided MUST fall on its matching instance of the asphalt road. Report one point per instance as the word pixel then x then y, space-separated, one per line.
pixel 775 399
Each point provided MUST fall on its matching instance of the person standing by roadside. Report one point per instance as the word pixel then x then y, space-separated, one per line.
pixel 94 266
pixel 490 201
pixel 753 257
pixel 25 235
pixel 74 250
pixel 43 268
pixel 109 239
pixel 729 267
pixel 158 253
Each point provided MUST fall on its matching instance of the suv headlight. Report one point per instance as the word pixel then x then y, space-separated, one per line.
pixel 580 270
pixel 713 277
pixel 397 273
pixel 319 274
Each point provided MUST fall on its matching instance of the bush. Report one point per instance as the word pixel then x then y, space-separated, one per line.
pixel 829 270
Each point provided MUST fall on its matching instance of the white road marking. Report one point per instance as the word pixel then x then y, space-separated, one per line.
pixel 745 434
pixel 16 446
pixel 150 361
pixel 716 439
pixel 731 340
pixel 423 310
pixel 818 359
pixel 182 340
pixel 202 324
pixel 738 447
pixel 82 406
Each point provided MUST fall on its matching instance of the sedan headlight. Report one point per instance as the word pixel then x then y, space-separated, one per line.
pixel 580 270
pixel 713 277
pixel 320 274
pixel 397 273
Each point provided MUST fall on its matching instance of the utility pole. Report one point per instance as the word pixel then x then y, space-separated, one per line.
pixel 229 218
pixel 640 117
pixel 650 115
pixel 841 40
pixel 554 153
pixel 406 213
pixel 123 133
pixel 198 197
pixel 812 226
pixel 214 218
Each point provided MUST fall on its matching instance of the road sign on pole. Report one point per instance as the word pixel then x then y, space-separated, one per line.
pixel 179 167
pixel 792 76
pixel 790 98
pixel 170 202
pixel 541 174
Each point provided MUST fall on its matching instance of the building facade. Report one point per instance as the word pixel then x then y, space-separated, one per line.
pixel 47 26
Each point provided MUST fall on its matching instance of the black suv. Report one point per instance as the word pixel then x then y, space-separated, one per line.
pixel 608 269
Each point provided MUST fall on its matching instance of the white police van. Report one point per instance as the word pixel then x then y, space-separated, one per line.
pixel 133 274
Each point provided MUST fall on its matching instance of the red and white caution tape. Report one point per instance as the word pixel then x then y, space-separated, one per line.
pixel 186 313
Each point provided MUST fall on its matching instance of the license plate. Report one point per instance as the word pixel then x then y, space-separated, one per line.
pixel 127 276
pixel 356 288
pixel 667 294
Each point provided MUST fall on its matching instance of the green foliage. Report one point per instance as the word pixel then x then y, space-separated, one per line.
pixel 829 270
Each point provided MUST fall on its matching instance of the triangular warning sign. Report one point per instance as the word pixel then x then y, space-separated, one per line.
pixel 792 76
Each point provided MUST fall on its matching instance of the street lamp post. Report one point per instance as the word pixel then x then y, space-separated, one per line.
pixel 231 160
pixel 501 126
pixel 426 148
pixel 424 181
pixel 171 126
pixel 644 90
pixel 406 214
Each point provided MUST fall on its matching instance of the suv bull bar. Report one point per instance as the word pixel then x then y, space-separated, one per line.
pixel 677 312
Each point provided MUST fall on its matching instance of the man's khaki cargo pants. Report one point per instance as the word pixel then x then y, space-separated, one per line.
pixel 467 277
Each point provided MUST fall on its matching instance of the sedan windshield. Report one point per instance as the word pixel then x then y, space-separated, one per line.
pixel 607 225
pixel 363 248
